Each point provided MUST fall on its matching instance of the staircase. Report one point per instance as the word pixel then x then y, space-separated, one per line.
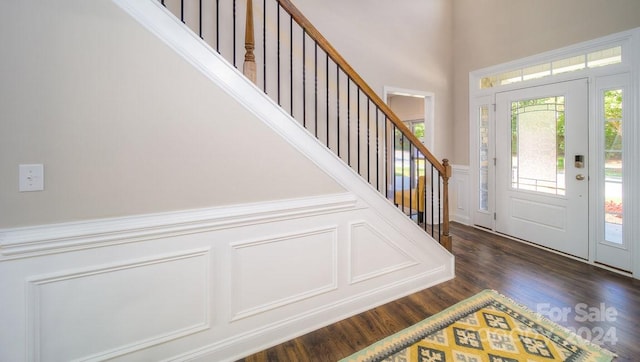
pixel 287 58
pixel 202 222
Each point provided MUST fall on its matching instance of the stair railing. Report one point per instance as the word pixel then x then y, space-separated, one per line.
pixel 300 70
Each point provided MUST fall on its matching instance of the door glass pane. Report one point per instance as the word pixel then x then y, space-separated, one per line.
pixel 484 158
pixel 537 145
pixel 613 162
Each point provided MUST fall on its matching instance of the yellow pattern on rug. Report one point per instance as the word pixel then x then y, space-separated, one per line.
pixel 486 327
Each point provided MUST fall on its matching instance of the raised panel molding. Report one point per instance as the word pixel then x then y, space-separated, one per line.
pixel 283 269
pixel 55 238
pixel 107 311
pixel 372 254
pixel 459 194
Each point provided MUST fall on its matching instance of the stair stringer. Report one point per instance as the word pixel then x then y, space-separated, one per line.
pixel 425 263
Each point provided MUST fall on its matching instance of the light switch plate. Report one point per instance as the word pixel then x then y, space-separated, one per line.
pixel 31 177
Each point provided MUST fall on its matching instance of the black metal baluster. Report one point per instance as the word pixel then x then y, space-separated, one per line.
pixel 386 155
pixel 358 131
pixel 411 182
pixel 218 26
pixel 264 45
pixel 402 170
pixel 338 105
pixel 304 78
pixel 315 90
pixel 278 49
pixel 326 84
pixel 439 204
pixel 368 140
pixel 393 166
pixel 234 34
pixel 200 18
pixel 182 11
pixel 349 121
pixel 423 195
pixel 377 149
pixel 432 204
pixel 291 64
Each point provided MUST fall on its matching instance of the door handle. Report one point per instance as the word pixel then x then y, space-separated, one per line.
pixel 579 177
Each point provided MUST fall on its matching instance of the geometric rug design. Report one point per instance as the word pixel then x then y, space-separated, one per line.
pixel 486 327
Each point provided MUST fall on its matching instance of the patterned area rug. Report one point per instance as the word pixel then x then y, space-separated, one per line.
pixel 485 327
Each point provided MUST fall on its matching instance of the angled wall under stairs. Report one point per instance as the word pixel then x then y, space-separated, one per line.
pixel 184 216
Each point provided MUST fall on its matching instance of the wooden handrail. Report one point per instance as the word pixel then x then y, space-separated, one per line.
pixel 342 63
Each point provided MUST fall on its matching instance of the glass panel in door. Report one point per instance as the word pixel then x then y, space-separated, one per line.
pixel 537 145
pixel 614 192
pixel 613 166
pixel 483 179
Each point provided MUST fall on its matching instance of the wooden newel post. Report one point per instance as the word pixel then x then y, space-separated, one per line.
pixel 249 68
pixel 445 237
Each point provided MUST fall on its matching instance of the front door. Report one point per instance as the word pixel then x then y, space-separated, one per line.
pixel 542 179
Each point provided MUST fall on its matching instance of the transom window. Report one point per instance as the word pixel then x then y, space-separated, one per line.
pixel 594 59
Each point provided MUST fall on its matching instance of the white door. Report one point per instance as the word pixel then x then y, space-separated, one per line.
pixel 542 180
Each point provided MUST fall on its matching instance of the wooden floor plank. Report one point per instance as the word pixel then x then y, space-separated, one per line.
pixel 533 277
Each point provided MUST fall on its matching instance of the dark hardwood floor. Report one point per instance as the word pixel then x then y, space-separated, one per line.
pixel 535 278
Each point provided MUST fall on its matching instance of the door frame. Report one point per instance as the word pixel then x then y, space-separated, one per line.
pixel 427 115
pixel 428 112
pixel 482 95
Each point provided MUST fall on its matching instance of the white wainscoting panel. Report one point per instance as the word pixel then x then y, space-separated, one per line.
pixel 459 194
pixel 206 285
pixel 94 314
pixel 280 270
pixel 373 254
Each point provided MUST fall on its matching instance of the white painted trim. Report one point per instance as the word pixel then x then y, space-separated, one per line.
pixel 213 233
pixel 409 262
pixel 429 110
pixel 630 40
pixel 459 194
pixel 579 48
pixel 46 239
pixel 36 284
pixel 243 345
pixel 332 286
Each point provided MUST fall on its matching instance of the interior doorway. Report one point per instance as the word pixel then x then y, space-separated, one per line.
pixel 409 178
pixel 416 109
